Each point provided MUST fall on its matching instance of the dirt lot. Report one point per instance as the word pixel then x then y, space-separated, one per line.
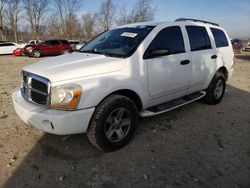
pixel 195 146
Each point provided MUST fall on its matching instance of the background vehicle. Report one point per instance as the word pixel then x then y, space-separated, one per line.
pixel 77 44
pixel 237 45
pixel 140 69
pixel 34 42
pixel 18 52
pixel 246 46
pixel 9 47
pixel 48 47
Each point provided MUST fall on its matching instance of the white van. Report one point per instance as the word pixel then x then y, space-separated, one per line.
pixel 139 69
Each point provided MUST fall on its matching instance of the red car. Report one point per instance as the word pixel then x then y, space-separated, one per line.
pixel 48 47
pixel 237 45
pixel 18 52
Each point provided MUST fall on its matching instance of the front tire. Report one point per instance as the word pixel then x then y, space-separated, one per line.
pixel 113 123
pixel 36 53
pixel 216 89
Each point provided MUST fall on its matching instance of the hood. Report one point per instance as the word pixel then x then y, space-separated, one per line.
pixel 74 65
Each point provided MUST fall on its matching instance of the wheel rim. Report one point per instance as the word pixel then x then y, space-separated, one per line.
pixel 117 125
pixel 65 52
pixel 37 54
pixel 219 89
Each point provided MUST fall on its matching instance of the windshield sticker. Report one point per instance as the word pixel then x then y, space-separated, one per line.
pixel 128 34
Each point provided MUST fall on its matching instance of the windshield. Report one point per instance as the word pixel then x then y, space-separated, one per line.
pixel 121 42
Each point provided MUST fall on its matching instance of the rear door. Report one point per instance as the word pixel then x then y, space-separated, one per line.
pixel 203 57
pixel 168 75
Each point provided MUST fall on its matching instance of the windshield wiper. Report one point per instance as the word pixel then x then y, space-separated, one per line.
pixel 94 51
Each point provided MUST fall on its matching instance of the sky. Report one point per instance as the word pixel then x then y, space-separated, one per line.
pixel 233 15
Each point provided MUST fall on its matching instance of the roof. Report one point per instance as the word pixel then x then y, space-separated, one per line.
pixel 179 20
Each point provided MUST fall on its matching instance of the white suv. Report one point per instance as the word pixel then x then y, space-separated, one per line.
pixel 139 69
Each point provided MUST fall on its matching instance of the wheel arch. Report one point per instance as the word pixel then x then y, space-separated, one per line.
pixel 223 70
pixel 132 95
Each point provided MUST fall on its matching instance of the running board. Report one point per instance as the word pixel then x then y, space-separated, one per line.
pixel 165 107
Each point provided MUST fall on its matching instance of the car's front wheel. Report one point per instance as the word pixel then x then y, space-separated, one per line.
pixel 113 123
pixel 36 53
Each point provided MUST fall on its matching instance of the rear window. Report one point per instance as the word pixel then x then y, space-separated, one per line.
pixel 64 42
pixel 219 37
pixel 198 37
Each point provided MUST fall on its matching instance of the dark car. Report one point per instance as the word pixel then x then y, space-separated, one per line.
pixel 48 47
pixel 237 45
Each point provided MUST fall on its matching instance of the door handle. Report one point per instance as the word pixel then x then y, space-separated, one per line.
pixel 185 62
pixel 213 56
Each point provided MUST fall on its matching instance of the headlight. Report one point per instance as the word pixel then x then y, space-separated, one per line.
pixel 65 97
pixel 29 48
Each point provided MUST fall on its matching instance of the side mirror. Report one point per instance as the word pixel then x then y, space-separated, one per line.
pixel 156 53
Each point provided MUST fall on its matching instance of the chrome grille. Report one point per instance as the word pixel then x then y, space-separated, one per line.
pixel 35 89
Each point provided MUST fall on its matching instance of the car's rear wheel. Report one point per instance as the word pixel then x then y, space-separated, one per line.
pixel 113 123
pixel 65 51
pixel 36 53
pixel 216 89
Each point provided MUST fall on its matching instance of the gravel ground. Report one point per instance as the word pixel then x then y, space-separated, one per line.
pixel 197 145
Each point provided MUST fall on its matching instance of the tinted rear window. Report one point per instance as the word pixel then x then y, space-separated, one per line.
pixel 169 38
pixel 219 37
pixel 198 37
pixel 64 42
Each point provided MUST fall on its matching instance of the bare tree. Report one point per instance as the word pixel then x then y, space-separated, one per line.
pixel 65 10
pixel 2 4
pixel 35 11
pixel 13 16
pixel 107 14
pixel 88 27
pixel 143 11
pixel 53 26
pixel 124 16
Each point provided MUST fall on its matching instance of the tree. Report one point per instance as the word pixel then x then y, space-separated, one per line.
pixel 2 4
pixel 143 11
pixel 53 26
pixel 35 11
pixel 65 10
pixel 13 15
pixel 88 26
pixel 107 14
pixel 124 17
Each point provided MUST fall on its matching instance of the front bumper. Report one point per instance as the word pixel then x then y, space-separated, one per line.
pixel 50 120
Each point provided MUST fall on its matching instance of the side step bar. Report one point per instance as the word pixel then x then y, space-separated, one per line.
pixel 176 103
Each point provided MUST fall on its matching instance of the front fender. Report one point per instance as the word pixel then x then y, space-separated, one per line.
pixel 95 90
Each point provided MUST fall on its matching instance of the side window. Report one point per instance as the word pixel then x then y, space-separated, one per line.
pixel 219 37
pixel 198 38
pixel 65 42
pixel 7 44
pixel 170 39
pixel 48 42
pixel 55 42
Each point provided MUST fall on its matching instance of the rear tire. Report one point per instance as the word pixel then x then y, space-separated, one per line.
pixel 113 123
pixel 65 51
pixel 216 89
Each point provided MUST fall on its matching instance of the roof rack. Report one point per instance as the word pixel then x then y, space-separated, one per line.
pixel 194 20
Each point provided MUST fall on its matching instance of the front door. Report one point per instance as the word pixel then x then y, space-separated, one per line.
pixel 168 74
